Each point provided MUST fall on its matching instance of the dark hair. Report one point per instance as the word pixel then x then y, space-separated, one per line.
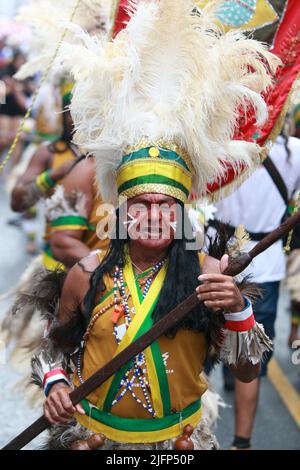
pixel 181 281
pixel 16 54
pixel 65 137
pixel 66 134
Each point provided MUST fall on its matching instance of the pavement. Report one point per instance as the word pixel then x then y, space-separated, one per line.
pixel 277 423
pixel 15 413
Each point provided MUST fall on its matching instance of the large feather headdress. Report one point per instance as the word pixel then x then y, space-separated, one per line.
pixel 172 84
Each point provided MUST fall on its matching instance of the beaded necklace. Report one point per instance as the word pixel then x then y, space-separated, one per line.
pixel 89 328
pixel 138 372
pixel 136 365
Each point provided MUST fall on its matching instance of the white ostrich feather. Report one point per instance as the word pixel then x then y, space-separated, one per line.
pixel 170 74
pixel 46 20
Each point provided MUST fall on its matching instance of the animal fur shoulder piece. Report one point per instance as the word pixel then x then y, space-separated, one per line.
pixel 47 358
pixel 239 347
pixel 171 75
pixel 59 204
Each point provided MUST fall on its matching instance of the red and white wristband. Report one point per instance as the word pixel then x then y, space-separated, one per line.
pixel 240 321
pixel 54 376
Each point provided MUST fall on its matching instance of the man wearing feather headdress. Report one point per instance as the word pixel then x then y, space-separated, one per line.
pixel 157 107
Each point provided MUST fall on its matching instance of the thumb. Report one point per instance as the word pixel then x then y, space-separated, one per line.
pixel 79 409
pixel 224 263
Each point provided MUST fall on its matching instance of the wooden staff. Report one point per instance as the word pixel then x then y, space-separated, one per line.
pixel 235 267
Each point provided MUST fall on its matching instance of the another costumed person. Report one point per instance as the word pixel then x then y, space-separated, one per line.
pixel 293 277
pixel 293 258
pixel 157 107
pixel 46 20
pixel 45 171
pixel 44 127
pixel 47 167
pixel 74 216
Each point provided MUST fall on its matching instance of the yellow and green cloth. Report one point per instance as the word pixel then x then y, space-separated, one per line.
pixel 44 182
pixel 296 115
pixel 155 169
pixel 70 222
pixel 66 88
pixel 173 367
pixel 67 222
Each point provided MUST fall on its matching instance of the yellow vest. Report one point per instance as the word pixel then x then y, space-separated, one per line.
pixel 63 155
pixel 59 158
pixel 183 358
pixel 90 238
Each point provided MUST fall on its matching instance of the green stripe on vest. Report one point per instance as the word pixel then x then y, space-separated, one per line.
pixel 136 425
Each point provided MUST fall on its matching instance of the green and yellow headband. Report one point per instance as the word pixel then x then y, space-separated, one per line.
pixel 163 168
pixel 66 88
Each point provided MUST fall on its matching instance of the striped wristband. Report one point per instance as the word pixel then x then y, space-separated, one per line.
pixel 69 222
pixel 52 377
pixel 44 182
pixel 240 321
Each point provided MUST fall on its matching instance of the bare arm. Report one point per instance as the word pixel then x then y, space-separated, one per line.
pixel 75 287
pixel 25 193
pixel 67 245
pixel 217 292
pixel 58 407
pixel 245 372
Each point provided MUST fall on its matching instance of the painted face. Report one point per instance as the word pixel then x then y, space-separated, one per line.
pixel 151 220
